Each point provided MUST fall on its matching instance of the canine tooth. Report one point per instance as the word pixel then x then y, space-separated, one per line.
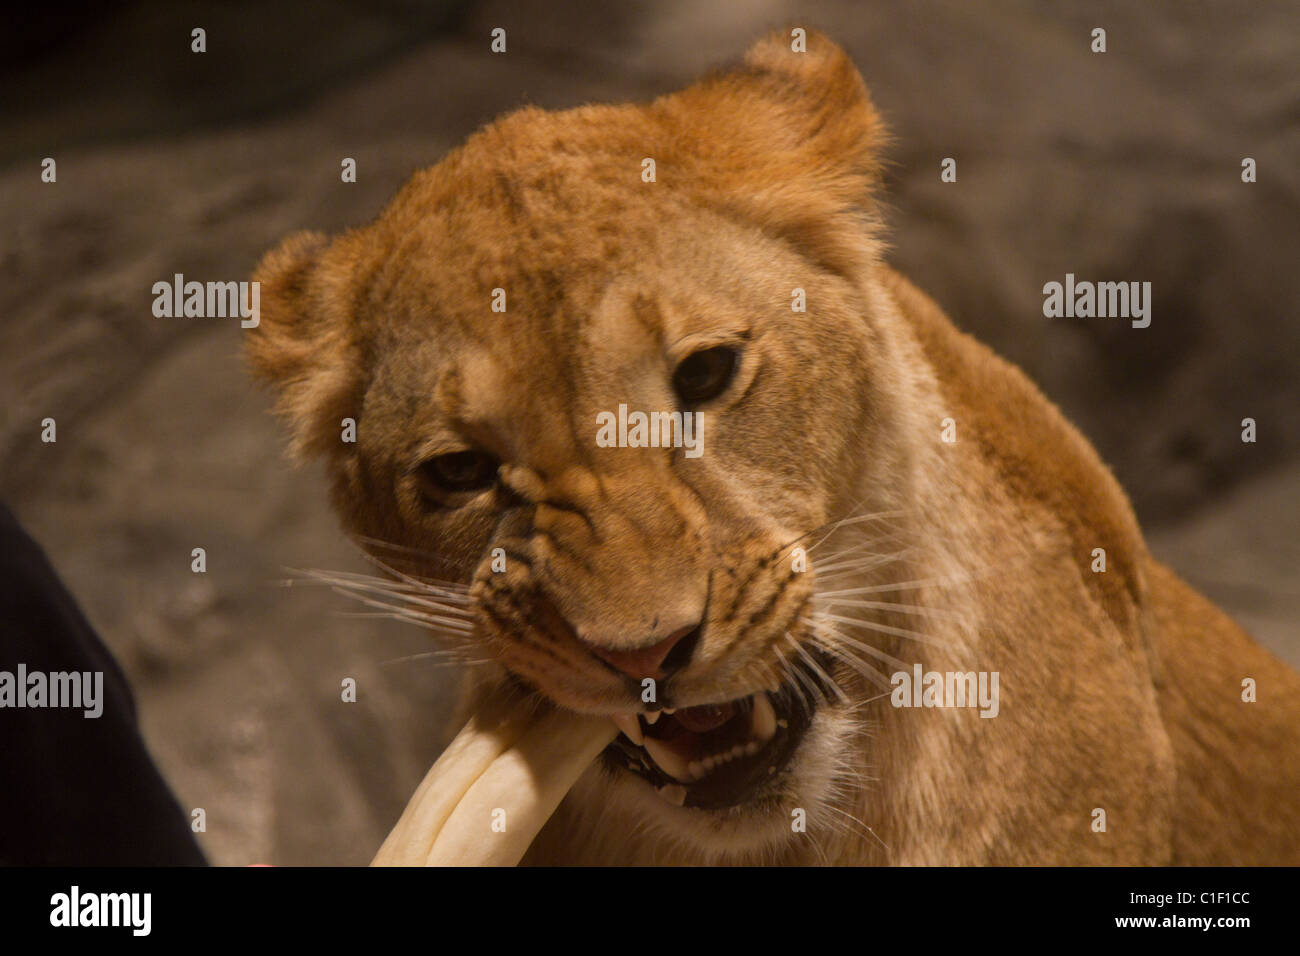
pixel 674 793
pixel 630 727
pixel 651 717
pixel 668 761
pixel 763 722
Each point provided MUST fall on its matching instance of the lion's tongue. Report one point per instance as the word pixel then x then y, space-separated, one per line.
pixel 702 719
pixel 692 742
pixel 680 738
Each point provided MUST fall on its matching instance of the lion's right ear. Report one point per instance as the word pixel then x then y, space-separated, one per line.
pixel 305 342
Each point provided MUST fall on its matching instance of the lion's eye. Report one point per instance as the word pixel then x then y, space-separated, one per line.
pixel 459 472
pixel 705 374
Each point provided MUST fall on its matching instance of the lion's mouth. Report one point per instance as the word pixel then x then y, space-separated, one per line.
pixel 716 755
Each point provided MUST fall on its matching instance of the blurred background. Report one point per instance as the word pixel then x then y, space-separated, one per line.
pixel 1117 166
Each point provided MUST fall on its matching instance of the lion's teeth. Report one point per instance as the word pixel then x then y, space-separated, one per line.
pixel 763 722
pixel 668 761
pixel 674 793
pixel 763 725
pixel 631 727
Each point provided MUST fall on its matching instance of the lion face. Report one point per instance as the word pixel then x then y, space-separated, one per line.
pixel 495 335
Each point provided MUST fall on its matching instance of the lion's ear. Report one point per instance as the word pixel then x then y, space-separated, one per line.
pixel 789 141
pixel 304 343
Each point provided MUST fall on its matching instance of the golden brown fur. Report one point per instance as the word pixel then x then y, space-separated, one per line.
pixel 1120 690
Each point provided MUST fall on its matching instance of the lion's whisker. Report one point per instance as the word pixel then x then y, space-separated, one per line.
pixel 816 668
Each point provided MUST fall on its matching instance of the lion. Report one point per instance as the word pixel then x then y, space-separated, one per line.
pixel 877 498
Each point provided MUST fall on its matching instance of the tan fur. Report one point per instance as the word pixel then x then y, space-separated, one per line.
pixel 1119 690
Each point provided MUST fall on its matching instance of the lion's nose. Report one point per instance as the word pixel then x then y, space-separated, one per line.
pixel 658 661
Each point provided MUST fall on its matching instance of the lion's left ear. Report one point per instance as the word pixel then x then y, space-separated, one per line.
pixel 305 342
pixel 790 142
